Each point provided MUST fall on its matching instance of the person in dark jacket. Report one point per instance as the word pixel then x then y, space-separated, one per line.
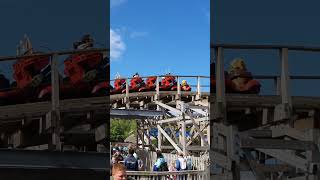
pixel 131 162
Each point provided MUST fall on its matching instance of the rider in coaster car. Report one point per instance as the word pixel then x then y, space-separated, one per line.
pixel 119 85
pixel 185 86
pixel 241 78
pixel 135 83
pixel 150 84
pixel 85 43
pixel 168 82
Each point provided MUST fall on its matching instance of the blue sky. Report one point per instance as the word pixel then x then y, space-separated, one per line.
pixel 271 22
pixel 55 24
pixel 154 37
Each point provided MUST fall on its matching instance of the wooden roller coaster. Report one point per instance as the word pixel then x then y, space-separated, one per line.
pixel 70 132
pixel 271 137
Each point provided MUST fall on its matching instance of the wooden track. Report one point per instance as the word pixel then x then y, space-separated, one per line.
pixel 118 97
pixel 243 100
pixel 39 109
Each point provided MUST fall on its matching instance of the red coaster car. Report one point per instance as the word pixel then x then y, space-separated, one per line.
pixel 27 73
pixel 83 72
pixel 150 84
pixel 135 84
pixel 168 83
pixel 81 76
pixel 119 86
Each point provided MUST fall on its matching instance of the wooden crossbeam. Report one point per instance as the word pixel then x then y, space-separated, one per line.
pixel 286 157
pixel 277 144
pixel 197 128
pixel 169 108
pixel 169 138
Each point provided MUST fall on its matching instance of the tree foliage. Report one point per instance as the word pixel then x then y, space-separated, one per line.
pixel 121 129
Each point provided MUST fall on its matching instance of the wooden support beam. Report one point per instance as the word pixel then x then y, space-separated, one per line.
pixel 126 99
pixel 286 157
pixel 257 172
pixel 198 96
pixel 55 100
pixel 220 86
pixel 183 137
pixel 286 102
pixel 157 95
pixel 174 134
pixel 168 138
pixel 198 129
pixel 196 134
pixel 159 138
pixel 169 108
pixel 178 96
pixel 277 144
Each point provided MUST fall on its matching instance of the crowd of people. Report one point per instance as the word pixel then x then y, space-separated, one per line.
pixel 126 159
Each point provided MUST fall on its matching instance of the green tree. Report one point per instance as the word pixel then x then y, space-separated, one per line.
pixel 121 129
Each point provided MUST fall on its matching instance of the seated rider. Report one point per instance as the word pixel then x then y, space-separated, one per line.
pixel 85 43
pixel 136 75
pixel 184 83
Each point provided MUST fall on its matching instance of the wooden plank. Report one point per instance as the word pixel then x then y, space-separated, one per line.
pixel 265 46
pixel 257 133
pixel 220 86
pixel 55 100
pixel 198 148
pixel 41 108
pixel 183 137
pixel 169 108
pixel 7 58
pixel 277 144
pixel 286 157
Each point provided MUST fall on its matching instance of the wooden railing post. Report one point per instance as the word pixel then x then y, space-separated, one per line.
pixel 198 88
pixel 178 89
pixel 55 106
pixel 220 86
pixel 157 89
pixel 127 100
pixel 277 84
pixel 283 110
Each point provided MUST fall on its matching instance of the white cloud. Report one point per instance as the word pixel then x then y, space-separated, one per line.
pixel 137 34
pixel 114 3
pixel 117 46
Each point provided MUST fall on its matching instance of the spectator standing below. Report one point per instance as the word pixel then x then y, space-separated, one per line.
pixel 189 162
pixel 140 162
pixel 181 162
pixel 117 157
pixel 161 164
pixel 131 162
pixel 172 168
pixel 181 165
